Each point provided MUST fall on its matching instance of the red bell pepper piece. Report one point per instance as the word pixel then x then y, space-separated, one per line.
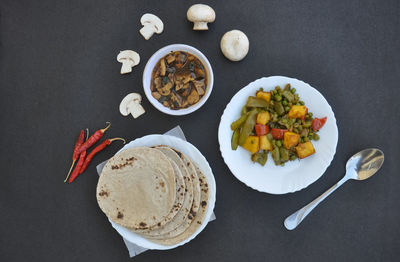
pixel 261 129
pixel 278 133
pixel 318 123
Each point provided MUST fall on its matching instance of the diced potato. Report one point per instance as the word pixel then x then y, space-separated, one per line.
pixel 251 144
pixel 265 144
pixel 297 112
pixel 305 149
pixel 263 118
pixel 290 139
pixel 264 95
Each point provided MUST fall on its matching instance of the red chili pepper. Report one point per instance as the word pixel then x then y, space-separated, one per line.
pixel 278 133
pixel 97 149
pixel 94 138
pixel 78 167
pixel 261 129
pixel 318 123
pixel 75 155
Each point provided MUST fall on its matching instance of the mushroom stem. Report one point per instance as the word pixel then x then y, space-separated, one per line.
pixel 126 67
pixel 147 31
pixel 200 26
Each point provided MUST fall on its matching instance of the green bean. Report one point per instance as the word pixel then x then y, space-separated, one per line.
pixel 277 88
pixel 244 110
pixel 288 95
pixel 248 126
pixel 301 103
pixel 279 108
pixel 269 136
pixel 256 102
pixel 287 87
pixel 284 102
pixel 275 155
pixel 306 139
pixel 310 114
pixel 316 137
pixel 283 154
pixel 235 125
pixel 235 139
pixel 260 157
pixel 293 90
pixel 293 157
pixel 287 109
pixel 278 143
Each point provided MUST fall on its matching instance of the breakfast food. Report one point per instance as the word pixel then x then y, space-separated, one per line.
pixel 179 80
pixel 234 45
pixel 156 192
pixel 151 24
pixel 278 122
pixel 129 59
pixel 131 104
pixel 200 15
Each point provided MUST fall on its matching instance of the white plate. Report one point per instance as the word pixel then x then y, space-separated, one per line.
pixel 295 175
pixel 190 151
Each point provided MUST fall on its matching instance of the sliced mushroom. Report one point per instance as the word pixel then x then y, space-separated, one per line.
pixel 193 98
pixel 156 95
pixel 163 67
pixel 199 85
pixel 129 59
pixel 131 105
pixel 200 15
pixel 151 24
pixel 166 89
pixel 170 58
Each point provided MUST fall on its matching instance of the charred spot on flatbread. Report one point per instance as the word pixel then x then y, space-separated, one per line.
pixel 103 193
pixel 120 215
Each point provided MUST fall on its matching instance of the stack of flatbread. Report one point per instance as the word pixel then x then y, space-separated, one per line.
pixel 156 192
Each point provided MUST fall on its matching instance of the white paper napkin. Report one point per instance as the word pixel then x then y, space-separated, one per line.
pixel 134 249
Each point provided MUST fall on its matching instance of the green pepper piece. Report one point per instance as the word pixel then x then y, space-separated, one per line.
pixel 256 102
pixel 248 126
pixel 283 154
pixel 279 108
pixel 275 156
pixel 235 139
pixel 235 125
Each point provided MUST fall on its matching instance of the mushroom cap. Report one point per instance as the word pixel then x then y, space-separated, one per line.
pixel 153 20
pixel 200 13
pixel 128 55
pixel 124 106
pixel 235 45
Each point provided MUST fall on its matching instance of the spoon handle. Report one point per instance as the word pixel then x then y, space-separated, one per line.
pixel 292 221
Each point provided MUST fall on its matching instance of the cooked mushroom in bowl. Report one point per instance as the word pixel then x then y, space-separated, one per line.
pixel 178 79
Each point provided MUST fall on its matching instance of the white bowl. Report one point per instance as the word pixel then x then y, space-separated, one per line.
pixel 152 63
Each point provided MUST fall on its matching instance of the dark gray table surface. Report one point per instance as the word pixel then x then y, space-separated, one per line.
pixel 58 74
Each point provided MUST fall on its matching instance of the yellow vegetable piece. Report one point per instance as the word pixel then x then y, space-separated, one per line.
pixel 264 95
pixel 263 118
pixel 297 112
pixel 305 149
pixel 290 139
pixel 265 144
pixel 251 144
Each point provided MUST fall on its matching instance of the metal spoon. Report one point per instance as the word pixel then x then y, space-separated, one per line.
pixel 359 167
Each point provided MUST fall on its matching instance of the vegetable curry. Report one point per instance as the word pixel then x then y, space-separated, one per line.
pixel 179 80
pixel 278 122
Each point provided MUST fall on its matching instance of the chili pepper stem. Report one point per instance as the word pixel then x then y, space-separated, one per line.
pixel 107 127
pixel 87 133
pixel 117 138
pixel 69 172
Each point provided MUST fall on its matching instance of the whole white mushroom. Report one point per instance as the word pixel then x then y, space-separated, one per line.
pixel 235 45
pixel 131 105
pixel 200 15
